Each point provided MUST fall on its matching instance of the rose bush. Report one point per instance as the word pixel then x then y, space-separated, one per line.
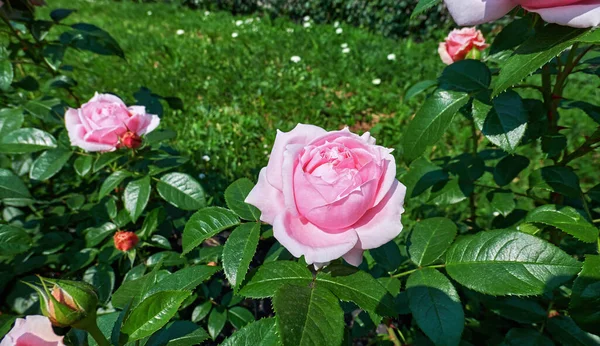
pixel 329 194
pixel 459 43
pixel 575 13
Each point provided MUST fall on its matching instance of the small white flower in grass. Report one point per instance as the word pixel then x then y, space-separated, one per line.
pixel 180 32
pixel 289 30
pixel 206 158
pixel 344 45
pixel 339 31
pixel 206 13
pixel 201 175
pixel 306 18
pixel 295 59
pixel 234 34
pixel 249 20
pixel 239 22
pixel 496 213
pixel 346 50
pixel 336 24
pixel 376 81
pixel 306 24
pixel 149 13
pixel 391 56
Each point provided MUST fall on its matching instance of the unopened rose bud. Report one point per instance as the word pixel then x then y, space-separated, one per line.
pixel 125 241
pixel 474 54
pixel 70 303
pixel 131 140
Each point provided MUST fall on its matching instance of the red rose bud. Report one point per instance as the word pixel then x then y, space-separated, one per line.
pixel 131 140
pixel 70 303
pixel 125 241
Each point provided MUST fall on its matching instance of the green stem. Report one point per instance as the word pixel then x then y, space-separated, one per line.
pixel 97 334
pixel 414 270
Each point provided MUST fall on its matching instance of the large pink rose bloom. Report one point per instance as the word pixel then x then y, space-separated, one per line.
pixel 33 330
pixel 459 43
pixel 575 13
pixel 105 123
pixel 329 194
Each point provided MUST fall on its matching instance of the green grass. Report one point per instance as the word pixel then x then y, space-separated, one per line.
pixel 238 90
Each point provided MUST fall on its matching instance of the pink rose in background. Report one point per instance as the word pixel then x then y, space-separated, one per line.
pixel 575 13
pixel 459 43
pixel 33 330
pixel 105 123
pixel 329 194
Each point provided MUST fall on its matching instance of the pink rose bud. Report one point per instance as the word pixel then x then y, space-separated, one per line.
pixel 329 194
pixel 100 124
pixel 131 140
pixel 125 241
pixel 575 13
pixel 459 43
pixel 32 330
pixel 68 303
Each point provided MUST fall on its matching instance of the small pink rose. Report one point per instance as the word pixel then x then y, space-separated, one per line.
pixel 575 13
pixel 459 43
pixel 32 330
pixel 329 194
pixel 101 123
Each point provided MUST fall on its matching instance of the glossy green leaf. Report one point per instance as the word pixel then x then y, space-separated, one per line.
pixel 102 277
pixel 431 121
pixel 95 235
pixel 26 140
pixel 49 163
pixel 153 219
pixel 186 279
pixel 216 321
pixel 564 330
pixel 235 195
pixel 502 202
pixel 14 240
pixel 10 119
pixel 388 256
pixel 206 223
pixel 418 88
pixel 557 179
pixel 509 263
pixel 263 283
pixel 308 316
pixel 90 37
pixel 136 196
pixel 112 182
pixel 585 299
pixel 152 314
pixel 106 159
pixel 423 6
pixel 131 292
pixel 512 35
pixel 430 239
pixel 361 288
pixel 182 191
pixel 105 324
pixel 83 165
pixel 201 311
pixel 518 309
pixel 436 306
pixel 260 333
pixel 60 14
pixel 238 252
pixel 466 75
pixel 178 333
pixel 503 121
pixel 565 218
pixel 6 70
pixel 535 52
pixel 12 187
pixel 529 337
pixel 509 168
pixel 239 317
